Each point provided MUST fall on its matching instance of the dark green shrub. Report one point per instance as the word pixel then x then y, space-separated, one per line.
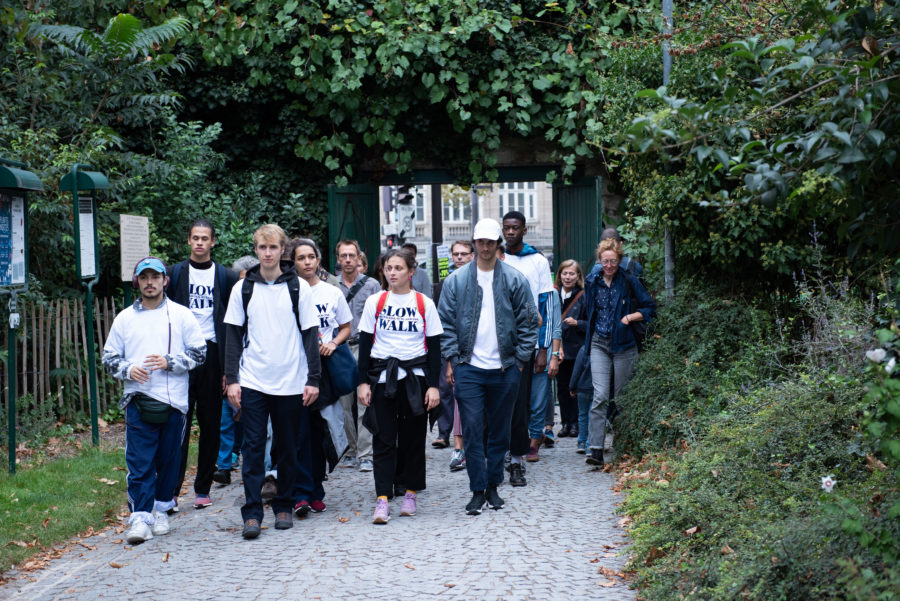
pixel 698 338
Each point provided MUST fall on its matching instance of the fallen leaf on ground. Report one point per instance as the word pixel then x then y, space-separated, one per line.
pixel 343 520
pixel 448 585
pixel 607 583
pixel 692 531
pixel 107 481
pixel 726 550
pixel 165 558
pixel 409 565
pixel 113 564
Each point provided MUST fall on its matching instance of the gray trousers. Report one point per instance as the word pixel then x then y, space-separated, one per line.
pixel 359 439
pixel 604 366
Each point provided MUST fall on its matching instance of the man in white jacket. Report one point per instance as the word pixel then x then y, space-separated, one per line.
pixel 152 345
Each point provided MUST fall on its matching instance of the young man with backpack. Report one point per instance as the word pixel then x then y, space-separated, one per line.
pixel 203 286
pixel 357 287
pixel 271 369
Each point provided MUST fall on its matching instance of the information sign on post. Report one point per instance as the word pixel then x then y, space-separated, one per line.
pixel 76 180
pixel 86 238
pixel 15 182
pixel 134 236
pixel 12 239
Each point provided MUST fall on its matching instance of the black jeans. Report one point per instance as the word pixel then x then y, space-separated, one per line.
pixel 256 408
pixel 398 449
pixel 204 397
pixel 568 406
pixel 519 441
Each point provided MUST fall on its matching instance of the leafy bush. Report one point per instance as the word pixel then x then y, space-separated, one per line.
pixel 697 338
pixel 738 513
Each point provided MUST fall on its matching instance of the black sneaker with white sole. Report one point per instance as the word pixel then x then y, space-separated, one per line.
pixel 493 499
pixel 477 503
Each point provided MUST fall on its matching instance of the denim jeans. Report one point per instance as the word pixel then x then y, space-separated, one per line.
pixel 486 398
pixel 584 415
pixel 152 454
pixel 230 435
pixel 604 366
pixel 540 396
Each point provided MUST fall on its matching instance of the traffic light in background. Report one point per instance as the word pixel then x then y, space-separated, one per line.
pixel 391 241
pixel 404 195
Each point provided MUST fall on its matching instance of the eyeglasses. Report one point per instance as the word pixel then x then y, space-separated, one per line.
pixel 609 262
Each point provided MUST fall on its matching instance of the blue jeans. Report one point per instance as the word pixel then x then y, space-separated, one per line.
pixel 257 407
pixel 230 434
pixel 152 456
pixel 540 396
pixel 606 366
pixel 486 398
pixel 584 415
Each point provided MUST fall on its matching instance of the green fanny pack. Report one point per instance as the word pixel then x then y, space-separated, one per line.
pixel 152 411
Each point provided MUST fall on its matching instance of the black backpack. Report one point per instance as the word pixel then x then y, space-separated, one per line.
pixel 293 285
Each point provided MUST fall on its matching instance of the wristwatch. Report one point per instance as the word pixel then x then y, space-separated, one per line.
pixel 555 354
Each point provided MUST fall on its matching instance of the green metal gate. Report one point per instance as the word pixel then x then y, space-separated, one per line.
pixel 577 221
pixel 353 213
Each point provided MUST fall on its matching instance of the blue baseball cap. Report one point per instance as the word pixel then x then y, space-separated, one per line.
pixel 150 263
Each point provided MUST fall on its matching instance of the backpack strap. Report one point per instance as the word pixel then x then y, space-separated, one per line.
pixel 220 281
pixel 420 305
pixel 293 285
pixel 378 308
pixel 356 287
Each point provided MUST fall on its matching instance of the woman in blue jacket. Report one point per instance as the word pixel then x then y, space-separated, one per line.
pixel 615 299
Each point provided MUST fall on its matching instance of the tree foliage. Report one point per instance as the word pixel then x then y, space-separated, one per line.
pixel 794 124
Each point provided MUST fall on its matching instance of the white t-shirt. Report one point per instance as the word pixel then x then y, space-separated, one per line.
pixel 485 350
pixel 200 298
pixel 136 334
pixel 400 328
pixel 273 361
pixel 331 310
pixel 536 270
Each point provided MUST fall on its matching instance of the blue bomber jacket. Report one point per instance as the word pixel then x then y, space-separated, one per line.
pixel 514 313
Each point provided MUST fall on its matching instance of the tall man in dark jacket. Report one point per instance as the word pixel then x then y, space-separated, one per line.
pixel 490 331
pixel 203 286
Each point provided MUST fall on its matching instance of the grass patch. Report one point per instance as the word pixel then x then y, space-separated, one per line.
pixel 47 504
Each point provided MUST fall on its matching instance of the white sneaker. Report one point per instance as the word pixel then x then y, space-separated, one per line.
pixel 138 533
pixel 161 525
pixel 365 465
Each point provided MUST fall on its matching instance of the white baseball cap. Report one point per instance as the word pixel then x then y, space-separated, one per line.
pixel 487 229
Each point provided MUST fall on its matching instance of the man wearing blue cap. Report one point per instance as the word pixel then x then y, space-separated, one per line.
pixel 152 345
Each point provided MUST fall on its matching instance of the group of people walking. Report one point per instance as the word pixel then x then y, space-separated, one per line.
pixel 278 340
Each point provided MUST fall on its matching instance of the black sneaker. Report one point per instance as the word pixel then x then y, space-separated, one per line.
pixel 517 474
pixel 493 499
pixel 222 476
pixel 595 458
pixel 477 503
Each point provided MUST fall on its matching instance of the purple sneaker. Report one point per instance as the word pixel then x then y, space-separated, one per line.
pixel 382 512
pixel 409 504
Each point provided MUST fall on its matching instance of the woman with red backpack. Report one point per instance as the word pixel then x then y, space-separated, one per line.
pixel 399 365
